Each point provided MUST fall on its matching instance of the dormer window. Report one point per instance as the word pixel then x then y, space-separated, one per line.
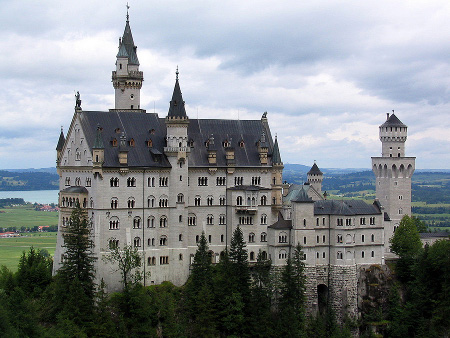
pixel 191 143
pixel 241 144
pixel 120 66
pixel 149 143
pixel 132 96
pixel 226 144
pixel 131 142
pixel 117 130
pixel 151 131
pixel 114 142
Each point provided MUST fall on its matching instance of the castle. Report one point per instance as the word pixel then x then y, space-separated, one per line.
pixel 158 183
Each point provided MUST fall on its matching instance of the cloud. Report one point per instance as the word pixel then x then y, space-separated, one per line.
pixel 326 72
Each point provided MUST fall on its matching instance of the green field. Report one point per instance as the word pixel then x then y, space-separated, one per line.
pixel 26 216
pixel 11 248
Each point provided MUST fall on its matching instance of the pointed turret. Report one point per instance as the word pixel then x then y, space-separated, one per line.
pixel 127 79
pixel 60 146
pixel 276 158
pixel 315 178
pixel 176 108
pixel 61 141
pixel 128 43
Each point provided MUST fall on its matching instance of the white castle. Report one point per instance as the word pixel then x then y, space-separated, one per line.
pixel 158 183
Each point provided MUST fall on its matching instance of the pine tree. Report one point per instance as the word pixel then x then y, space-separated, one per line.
pixel 261 300
pixel 292 296
pixel 199 295
pixel 74 288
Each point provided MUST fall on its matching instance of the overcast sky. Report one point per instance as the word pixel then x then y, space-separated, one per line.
pixel 327 72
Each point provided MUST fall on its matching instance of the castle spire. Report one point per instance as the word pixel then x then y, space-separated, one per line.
pixel 176 108
pixel 276 157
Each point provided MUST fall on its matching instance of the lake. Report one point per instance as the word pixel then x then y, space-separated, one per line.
pixel 35 196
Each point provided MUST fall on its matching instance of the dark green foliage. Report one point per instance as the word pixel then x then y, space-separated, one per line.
pixel 292 296
pixel 35 272
pixel 199 295
pixel 128 260
pixel 260 321
pixel 28 180
pixel 406 239
pixel 70 298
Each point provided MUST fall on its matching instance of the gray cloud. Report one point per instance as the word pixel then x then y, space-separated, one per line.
pixel 327 72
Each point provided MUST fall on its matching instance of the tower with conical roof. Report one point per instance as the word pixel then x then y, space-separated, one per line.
pixel 127 79
pixel 315 178
pixel 393 172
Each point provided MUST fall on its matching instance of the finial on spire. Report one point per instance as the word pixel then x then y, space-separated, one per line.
pixel 61 129
pixel 176 73
pixel 128 16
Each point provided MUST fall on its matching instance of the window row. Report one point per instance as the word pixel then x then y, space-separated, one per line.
pixel 72 202
pixel 87 182
pixel 131 182
pixel 251 201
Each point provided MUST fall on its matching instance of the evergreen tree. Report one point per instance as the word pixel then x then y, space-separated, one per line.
pixel 261 301
pixel 34 273
pixel 292 296
pixel 240 273
pixel 72 293
pixel 199 296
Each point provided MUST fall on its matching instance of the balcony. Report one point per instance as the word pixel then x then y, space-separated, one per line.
pixel 246 209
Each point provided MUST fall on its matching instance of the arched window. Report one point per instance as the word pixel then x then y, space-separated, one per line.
pixel 113 243
pixel 180 198
pixel 137 242
pixel 210 219
pixel 263 237
pixel 114 182
pixel 78 181
pixel 150 222
pixel 239 200
pixel 252 256
pixel 340 255
pixel 264 255
pixel 263 219
pixel 263 200
pixel 192 219
pixel 150 202
pixel 209 200
pixel 282 254
pixel 114 203
pixel 113 223
pixel 163 240
pixel 137 223
pixel 163 222
pixel 131 203
pixel 251 237
pixel 282 237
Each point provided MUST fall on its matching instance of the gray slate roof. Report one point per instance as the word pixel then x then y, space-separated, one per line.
pixel 281 223
pixel 438 234
pixel 127 41
pixel 176 108
pixel 345 208
pixel 315 170
pixel 141 127
pixel 61 141
pixel 76 190
pixel 276 157
pixel 393 121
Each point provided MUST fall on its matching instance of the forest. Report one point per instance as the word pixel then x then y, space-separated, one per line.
pixel 228 299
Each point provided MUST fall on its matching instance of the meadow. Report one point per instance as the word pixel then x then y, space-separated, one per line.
pixel 11 248
pixel 25 215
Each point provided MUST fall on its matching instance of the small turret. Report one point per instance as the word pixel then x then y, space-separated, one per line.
pixel 98 153
pixel 315 178
pixel 263 148
pixel 123 150
pixel 212 151
pixel 60 146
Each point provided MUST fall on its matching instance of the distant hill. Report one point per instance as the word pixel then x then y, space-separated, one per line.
pixel 19 181
pixel 50 170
